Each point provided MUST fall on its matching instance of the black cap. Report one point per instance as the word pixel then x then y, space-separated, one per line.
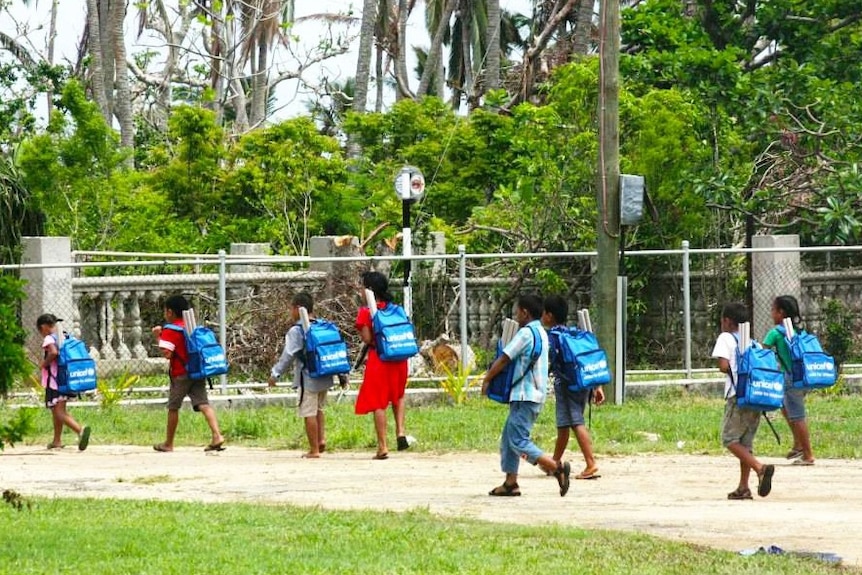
pixel 47 319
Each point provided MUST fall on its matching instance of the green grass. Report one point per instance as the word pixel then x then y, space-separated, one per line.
pixel 148 537
pixel 675 416
pixel 60 536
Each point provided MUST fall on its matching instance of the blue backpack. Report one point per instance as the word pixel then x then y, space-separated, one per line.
pixel 500 387
pixel 760 381
pixel 206 357
pixel 76 370
pixel 393 334
pixel 812 367
pixel 325 350
pixel 577 359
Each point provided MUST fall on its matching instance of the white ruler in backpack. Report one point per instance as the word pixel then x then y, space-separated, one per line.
pixel 206 356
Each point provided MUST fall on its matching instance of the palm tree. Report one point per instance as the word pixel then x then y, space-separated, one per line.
pixel 363 64
pixel 19 215
pixel 492 45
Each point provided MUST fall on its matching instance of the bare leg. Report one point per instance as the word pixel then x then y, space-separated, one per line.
pixel 801 439
pixel 380 429
pixel 586 446
pixel 398 413
pixel 173 421
pixel 321 430
pixel 312 432
pixel 561 444
pixel 747 462
pixel 209 414
pixel 61 417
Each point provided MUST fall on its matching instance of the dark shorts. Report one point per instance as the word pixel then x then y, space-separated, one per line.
pixel 195 389
pixel 53 397
pixel 570 407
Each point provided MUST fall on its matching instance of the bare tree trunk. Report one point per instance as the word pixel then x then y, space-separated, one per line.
pixel 468 88
pixel 379 73
pixel 401 76
pixel 436 48
pixel 492 59
pixel 97 70
pixel 259 90
pixel 123 102
pixel 107 46
pixel 52 37
pixel 363 62
pixel 583 28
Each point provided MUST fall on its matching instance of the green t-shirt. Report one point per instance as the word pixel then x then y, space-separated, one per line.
pixel 777 340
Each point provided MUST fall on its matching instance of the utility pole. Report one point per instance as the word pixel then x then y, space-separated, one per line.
pixel 608 189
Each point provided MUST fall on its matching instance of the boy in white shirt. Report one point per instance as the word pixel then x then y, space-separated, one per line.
pixel 740 424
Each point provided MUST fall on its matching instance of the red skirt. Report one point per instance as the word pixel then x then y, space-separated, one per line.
pixel 383 384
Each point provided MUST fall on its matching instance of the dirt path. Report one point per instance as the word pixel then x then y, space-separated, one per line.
pixel 681 497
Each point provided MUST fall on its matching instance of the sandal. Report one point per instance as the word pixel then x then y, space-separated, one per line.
pixel 803 462
pixel 764 480
pixel 215 446
pixel 563 475
pixel 794 454
pixel 162 448
pixel 381 456
pixel 506 490
pixel 740 493
pixel 54 446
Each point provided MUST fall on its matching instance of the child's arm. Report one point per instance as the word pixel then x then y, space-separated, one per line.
pixel 51 354
pixel 288 354
pixel 723 365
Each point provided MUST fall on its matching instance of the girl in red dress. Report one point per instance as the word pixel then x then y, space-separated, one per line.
pixel 384 382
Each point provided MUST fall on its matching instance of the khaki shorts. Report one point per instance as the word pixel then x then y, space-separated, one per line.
pixel 311 402
pixel 740 425
pixel 195 389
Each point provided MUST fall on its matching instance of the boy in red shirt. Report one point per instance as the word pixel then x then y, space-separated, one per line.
pixel 173 346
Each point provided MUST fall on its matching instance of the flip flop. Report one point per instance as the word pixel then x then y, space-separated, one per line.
pixel 764 485
pixel 381 456
pixel 588 474
pixel 802 462
pixel 215 446
pixel 162 448
pixel 84 439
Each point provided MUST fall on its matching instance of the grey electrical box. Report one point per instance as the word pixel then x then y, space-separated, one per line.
pixel 631 199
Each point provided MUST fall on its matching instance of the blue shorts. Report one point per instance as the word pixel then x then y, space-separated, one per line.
pixel 570 406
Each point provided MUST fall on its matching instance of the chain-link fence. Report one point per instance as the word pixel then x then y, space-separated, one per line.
pixel 673 304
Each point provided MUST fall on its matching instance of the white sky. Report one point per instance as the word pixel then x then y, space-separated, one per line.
pixel 34 21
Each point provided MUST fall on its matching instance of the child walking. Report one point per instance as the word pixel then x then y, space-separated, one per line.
pixel 54 400
pixel 526 400
pixel 570 405
pixel 786 306
pixel 172 343
pixel 740 425
pixel 384 382
pixel 312 390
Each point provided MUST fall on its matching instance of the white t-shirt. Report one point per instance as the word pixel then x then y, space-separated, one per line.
pixel 725 347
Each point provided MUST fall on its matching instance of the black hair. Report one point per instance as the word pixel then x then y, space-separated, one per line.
pixel 557 307
pixel 177 304
pixel 735 312
pixel 304 299
pixel 46 319
pixel 532 304
pixel 788 305
pixel 377 282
